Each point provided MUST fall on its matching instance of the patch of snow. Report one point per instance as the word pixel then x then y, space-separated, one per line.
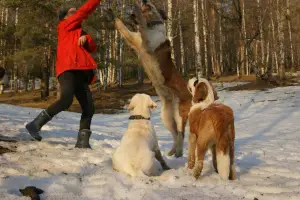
pixel 267 155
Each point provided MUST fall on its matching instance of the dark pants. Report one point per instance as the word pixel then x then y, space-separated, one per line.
pixel 75 83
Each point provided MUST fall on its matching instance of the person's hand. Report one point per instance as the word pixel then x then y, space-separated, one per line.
pixel 82 40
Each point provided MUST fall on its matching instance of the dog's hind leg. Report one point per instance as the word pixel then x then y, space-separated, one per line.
pixel 223 163
pixel 214 157
pixel 169 122
pixel 192 150
pixel 161 160
pixel 201 150
pixel 180 126
pixel 232 175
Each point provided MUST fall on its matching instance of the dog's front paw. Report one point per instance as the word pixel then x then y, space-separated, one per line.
pixel 166 167
pixel 178 154
pixel 196 173
pixel 191 165
pixel 172 152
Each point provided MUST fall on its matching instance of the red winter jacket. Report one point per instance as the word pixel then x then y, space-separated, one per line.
pixel 71 56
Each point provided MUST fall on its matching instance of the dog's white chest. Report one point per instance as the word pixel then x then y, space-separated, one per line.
pixel 156 36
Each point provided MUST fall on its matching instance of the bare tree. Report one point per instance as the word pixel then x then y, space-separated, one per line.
pixel 198 67
pixel 261 38
pixel 288 16
pixel 170 26
pixel 204 24
pixel 280 20
pixel 181 42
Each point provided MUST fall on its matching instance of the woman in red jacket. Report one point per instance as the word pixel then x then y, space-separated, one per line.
pixel 74 69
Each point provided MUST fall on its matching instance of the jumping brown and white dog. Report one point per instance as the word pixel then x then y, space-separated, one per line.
pixel 154 52
pixel 211 126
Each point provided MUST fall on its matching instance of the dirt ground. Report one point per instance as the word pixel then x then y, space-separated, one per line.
pixel 108 102
pixel 114 99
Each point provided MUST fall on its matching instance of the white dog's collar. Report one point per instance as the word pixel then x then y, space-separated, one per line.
pixel 138 117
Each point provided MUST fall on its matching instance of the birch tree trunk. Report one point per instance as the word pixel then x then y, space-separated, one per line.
pixel 288 16
pixel 204 18
pixel 112 68
pixel 262 42
pixel 280 20
pixel 269 66
pixel 170 27
pixel 182 52
pixel 274 46
pixel 120 51
pixel 107 53
pixel 239 56
pixel 244 52
pixel 98 58
pixel 16 88
pixel 199 69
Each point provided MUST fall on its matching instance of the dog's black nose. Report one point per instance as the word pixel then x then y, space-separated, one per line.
pixel 144 1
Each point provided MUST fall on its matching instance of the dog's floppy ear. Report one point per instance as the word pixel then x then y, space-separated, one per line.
pixel 201 92
pixel 129 105
pixel 162 14
pixel 152 104
pixel 39 191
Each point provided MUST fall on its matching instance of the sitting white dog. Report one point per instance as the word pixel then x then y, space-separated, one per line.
pixel 139 153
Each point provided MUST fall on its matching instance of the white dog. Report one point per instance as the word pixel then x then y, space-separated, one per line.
pixel 139 153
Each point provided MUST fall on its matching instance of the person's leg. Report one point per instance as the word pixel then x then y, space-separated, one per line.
pixel 67 87
pixel 67 82
pixel 84 97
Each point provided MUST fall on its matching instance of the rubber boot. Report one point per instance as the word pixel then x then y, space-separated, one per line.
pixel 35 126
pixel 83 139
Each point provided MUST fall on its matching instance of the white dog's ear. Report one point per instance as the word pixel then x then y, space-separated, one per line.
pixel 152 104
pixel 130 104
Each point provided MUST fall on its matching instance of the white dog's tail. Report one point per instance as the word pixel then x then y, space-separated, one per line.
pixel 223 165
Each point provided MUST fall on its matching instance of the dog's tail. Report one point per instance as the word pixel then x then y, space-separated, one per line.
pixel 223 164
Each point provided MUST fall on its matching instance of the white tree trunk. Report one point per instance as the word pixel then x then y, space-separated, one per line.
pixel 199 69
pixel 274 46
pixel 121 47
pixel 280 20
pixel 15 51
pixel 170 27
pixel 268 65
pixel 244 52
pixel 182 52
pixel 98 58
pixel 262 42
pixel 107 60
pixel 204 18
pixel 290 32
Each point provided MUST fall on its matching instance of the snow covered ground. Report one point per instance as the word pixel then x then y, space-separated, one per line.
pixel 267 155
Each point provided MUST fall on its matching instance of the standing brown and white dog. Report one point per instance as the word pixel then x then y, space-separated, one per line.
pixel 154 52
pixel 211 126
